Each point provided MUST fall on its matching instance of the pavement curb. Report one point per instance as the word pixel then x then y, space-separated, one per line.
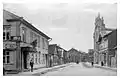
pixel 102 67
pixel 49 70
pixel 26 70
pixel 39 73
pixel 115 70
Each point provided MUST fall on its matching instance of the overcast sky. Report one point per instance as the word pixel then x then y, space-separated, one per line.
pixel 70 24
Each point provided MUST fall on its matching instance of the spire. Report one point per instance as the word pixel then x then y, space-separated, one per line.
pixel 99 14
pixel 102 19
pixel 98 17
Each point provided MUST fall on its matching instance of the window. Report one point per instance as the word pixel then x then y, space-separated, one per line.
pixel 34 36
pixel 3 35
pixel 43 45
pixel 44 58
pixel 31 36
pixel 24 34
pixel 6 33
pixel 6 57
pixel 39 57
pixel 36 58
pixel 46 44
pixel 38 41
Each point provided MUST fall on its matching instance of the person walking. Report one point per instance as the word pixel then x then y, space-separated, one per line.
pixel 31 65
pixel 102 63
pixel 92 63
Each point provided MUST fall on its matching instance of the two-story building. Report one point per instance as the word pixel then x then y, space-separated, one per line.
pixel 112 46
pixel 52 50
pixel 57 54
pixel 22 42
pixel 108 49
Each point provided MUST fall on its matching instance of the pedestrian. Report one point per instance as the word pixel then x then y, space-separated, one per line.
pixel 92 63
pixel 31 65
pixel 102 63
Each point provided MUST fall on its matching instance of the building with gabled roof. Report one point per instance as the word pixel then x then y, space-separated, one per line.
pixel 23 42
pixel 74 55
pixel 58 55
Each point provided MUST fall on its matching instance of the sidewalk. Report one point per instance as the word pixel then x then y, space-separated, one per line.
pixel 38 71
pixel 103 67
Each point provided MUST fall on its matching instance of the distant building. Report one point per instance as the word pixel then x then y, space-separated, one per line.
pixel 91 55
pixel 57 54
pixel 84 57
pixel 65 57
pixel 22 42
pixel 74 55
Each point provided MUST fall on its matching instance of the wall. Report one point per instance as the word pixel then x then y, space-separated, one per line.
pixel 12 64
pixel 112 42
pixel 40 49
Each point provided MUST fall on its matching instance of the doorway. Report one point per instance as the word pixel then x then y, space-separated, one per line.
pixel 25 59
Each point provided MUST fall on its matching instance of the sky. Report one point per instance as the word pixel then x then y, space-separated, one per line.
pixel 70 24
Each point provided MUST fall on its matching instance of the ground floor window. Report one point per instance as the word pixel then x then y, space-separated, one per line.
pixel 6 57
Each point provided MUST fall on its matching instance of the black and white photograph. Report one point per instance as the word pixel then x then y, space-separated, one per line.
pixel 59 38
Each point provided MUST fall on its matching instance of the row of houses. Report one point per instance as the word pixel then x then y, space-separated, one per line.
pixel 58 55
pixel 22 42
pixel 105 44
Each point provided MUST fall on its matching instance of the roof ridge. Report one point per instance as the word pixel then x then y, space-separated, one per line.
pixel 26 22
pixel 12 14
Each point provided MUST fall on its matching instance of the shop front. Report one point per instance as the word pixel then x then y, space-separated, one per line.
pixel 9 55
pixel 27 55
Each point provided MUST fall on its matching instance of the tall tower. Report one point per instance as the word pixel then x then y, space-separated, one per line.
pixel 98 31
